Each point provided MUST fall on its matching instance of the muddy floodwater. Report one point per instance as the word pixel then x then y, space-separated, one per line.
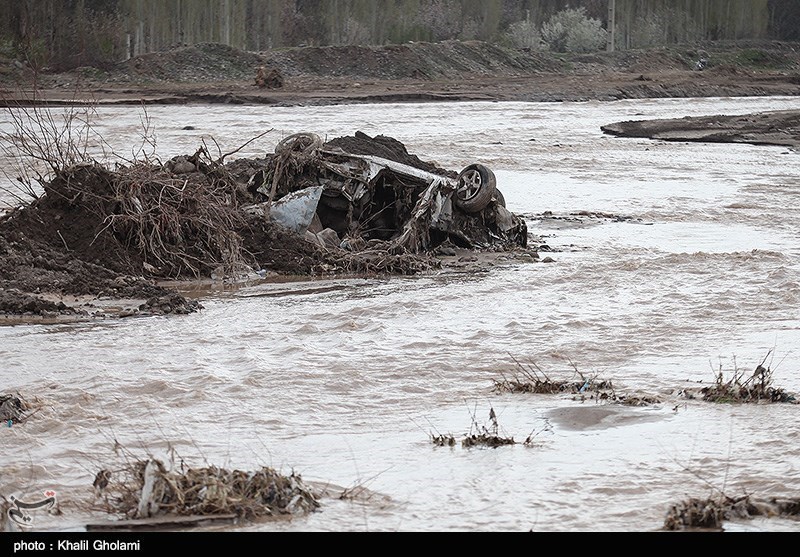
pixel 671 262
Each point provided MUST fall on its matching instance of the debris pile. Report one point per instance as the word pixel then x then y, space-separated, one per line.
pixel 740 389
pixel 710 514
pixel 307 209
pixel 531 379
pixel 147 489
pixel 355 190
pixel 486 436
pixel 486 439
pixel 13 409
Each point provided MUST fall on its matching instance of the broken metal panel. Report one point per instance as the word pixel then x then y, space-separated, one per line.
pixel 442 213
pixel 296 211
pixel 416 235
pixel 404 169
pixel 369 197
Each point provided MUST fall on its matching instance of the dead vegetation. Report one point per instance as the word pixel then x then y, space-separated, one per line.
pixel 739 388
pixel 531 379
pixel 446 440
pixel 712 513
pixel 147 488
pixel 178 224
pixel 15 410
pixel 5 506
pixel 486 435
pixel 635 400
pixel 745 388
pixel 482 436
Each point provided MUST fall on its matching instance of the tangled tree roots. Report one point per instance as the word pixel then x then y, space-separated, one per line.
pixel 147 489
pixel 179 224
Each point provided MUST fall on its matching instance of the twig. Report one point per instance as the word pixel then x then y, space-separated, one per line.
pixel 63 240
pixel 221 161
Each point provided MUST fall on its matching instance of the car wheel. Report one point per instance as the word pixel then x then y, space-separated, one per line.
pixel 299 143
pixel 498 197
pixel 477 186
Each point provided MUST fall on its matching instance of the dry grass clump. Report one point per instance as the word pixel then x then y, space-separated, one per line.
pixel 445 440
pixel 740 388
pixel 5 506
pixel 482 436
pixel 487 440
pixel 486 436
pixel 147 489
pixel 710 514
pixel 531 379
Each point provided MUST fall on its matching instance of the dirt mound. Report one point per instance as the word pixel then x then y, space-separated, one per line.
pixel 209 62
pixel 452 59
pixel 200 62
pixel 420 72
pixel 386 147
pixel 635 61
pixel 449 59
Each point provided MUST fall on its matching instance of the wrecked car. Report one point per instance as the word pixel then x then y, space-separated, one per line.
pixel 351 191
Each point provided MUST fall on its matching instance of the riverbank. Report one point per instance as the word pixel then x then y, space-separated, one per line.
pixel 417 72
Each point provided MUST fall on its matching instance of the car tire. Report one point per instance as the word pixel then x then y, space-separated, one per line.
pixel 498 197
pixel 477 186
pixel 299 143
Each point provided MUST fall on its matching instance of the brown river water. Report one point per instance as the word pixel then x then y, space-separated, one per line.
pixel 692 266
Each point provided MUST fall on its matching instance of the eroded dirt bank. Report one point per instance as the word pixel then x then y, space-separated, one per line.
pixel 452 70
pixel 766 128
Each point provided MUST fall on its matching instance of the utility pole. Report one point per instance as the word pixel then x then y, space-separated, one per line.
pixel 612 24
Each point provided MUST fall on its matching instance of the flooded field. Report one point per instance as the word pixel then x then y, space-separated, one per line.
pixel 671 262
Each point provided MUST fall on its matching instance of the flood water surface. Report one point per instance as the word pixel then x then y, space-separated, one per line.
pixel 671 262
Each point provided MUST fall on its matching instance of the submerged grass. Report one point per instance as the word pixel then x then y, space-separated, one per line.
pixel 712 513
pixel 741 389
pixel 486 435
pixel 532 379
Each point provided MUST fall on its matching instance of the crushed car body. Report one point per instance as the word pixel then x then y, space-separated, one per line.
pixel 346 198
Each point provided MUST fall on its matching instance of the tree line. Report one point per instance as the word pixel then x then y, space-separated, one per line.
pixel 63 34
